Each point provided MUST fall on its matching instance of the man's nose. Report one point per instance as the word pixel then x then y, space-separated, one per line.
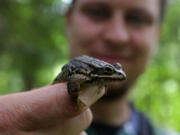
pixel 116 31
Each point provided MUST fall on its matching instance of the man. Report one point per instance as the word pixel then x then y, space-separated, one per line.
pixel 117 31
pixel 113 31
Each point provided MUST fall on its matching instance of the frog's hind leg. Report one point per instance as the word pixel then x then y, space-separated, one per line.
pixel 60 78
pixel 74 85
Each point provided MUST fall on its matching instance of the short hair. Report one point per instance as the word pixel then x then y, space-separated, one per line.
pixel 163 4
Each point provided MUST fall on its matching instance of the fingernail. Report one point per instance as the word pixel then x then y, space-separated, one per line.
pixel 91 94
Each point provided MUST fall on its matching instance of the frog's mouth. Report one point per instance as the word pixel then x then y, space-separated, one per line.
pixel 113 77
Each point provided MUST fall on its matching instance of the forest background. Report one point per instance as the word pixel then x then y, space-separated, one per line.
pixel 33 48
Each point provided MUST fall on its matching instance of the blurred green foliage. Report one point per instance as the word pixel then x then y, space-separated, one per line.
pixel 158 89
pixel 32 43
pixel 33 47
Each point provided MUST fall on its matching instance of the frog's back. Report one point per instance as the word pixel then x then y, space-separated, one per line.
pixel 91 61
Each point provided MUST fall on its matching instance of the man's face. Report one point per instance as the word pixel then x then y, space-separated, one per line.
pixel 124 31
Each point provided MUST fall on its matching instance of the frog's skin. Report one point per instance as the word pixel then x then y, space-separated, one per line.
pixel 88 70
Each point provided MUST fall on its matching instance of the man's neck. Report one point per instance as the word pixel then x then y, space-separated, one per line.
pixel 112 113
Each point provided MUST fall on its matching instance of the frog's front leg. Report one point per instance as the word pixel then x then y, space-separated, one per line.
pixel 74 85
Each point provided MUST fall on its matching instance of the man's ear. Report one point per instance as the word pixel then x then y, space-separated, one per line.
pixel 68 16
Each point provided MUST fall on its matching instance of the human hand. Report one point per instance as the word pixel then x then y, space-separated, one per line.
pixel 44 111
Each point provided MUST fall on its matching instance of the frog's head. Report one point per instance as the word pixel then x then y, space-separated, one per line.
pixel 109 72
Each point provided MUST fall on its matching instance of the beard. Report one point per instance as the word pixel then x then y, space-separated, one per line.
pixel 115 91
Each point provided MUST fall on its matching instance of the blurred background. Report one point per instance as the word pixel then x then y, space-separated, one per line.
pixel 33 48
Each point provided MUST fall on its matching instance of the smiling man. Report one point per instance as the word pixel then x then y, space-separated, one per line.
pixel 125 31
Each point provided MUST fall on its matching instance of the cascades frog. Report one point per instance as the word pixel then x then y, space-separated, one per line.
pixel 86 70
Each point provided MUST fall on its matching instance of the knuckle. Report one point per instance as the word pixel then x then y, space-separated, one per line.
pixel 83 133
pixel 87 118
pixel 77 124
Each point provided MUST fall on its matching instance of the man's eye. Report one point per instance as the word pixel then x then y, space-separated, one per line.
pixel 138 20
pixel 98 14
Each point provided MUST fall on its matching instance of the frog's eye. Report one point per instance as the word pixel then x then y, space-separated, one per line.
pixel 108 69
pixel 117 65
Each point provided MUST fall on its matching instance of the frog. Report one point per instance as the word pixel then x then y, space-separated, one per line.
pixel 87 70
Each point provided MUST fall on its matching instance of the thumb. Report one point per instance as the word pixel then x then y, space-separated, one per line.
pixel 38 108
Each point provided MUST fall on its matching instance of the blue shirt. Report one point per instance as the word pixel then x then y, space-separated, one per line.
pixel 137 124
